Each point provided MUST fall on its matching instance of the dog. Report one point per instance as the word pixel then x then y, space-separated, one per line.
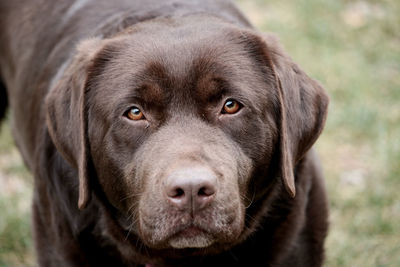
pixel 162 133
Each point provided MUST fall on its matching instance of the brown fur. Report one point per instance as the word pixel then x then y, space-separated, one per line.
pixel 100 178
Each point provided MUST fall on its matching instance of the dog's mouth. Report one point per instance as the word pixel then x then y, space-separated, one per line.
pixel 212 228
pixel 191 237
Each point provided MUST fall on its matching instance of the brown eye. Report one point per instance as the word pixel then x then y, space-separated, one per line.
pixel 231 106
pixel 135 114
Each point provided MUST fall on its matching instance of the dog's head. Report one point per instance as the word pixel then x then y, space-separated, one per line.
pixel 183 125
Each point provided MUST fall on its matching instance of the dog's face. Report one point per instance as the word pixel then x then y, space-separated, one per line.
pixel 179 124
pixel 175 127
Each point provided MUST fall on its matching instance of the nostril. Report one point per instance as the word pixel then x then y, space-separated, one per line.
pixel 178 193
pixel 178 197
pixel 205 195
pixel 205 191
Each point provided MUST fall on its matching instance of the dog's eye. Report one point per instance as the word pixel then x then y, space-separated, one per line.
pixel 231 106
pixel 135 114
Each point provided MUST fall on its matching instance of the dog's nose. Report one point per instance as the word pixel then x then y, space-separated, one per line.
pixel 191 189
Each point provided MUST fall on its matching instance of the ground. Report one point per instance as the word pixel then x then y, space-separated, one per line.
pixel 353 48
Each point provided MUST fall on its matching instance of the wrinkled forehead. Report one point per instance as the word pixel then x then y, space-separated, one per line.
pixel 174 62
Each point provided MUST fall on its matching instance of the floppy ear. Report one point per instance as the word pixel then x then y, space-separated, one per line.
pixel 303 106
pixel 66 117
pixel 303 110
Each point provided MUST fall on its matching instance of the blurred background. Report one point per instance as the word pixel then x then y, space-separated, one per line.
pixel 353 49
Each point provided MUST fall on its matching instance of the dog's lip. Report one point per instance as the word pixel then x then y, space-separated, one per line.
pixel 189 231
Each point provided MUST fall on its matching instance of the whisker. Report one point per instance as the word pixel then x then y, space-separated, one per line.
pixel 129 231
pixel 251 218
pixel 131 196
pixel 252 199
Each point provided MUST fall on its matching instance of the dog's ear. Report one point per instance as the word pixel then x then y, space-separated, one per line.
pixel 303 103
pixel 303 110
pixel 66 117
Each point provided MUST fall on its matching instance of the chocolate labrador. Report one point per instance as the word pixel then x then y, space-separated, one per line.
pixel 162 133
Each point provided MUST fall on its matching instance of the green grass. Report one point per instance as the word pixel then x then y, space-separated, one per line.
pixel 353 48
pixel 15 232
pixel 16 248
